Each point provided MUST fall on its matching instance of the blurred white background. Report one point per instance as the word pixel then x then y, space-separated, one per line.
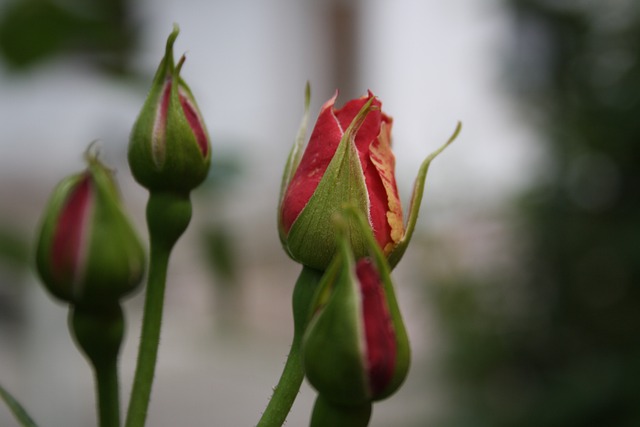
pixel 431 63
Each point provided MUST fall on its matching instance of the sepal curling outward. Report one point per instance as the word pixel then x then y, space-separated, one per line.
pixel 87 252
pixel 355 349
pixel 169 148
pixel 396 254
pixel 347 161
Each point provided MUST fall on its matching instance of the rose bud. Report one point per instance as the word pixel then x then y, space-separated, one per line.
pixel 348 160
pixel 88 253
pixel 355 349
pixel 169 149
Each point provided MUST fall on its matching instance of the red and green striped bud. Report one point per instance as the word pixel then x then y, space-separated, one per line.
pixel 88 253
pixel 355 348
pixel 348 161
pixel 170 148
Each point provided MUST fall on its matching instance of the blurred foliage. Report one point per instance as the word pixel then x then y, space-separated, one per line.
pixel 14 252
pixel 220 252
pixel 14 262
pixel 219 249
pixel 100 32
pixel 570 355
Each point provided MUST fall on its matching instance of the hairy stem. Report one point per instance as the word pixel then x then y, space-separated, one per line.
pixel 285 393
pixel 168 216
pixel 108 395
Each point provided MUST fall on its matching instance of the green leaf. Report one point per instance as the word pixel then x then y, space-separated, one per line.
pixel 14 249
pixel 18 411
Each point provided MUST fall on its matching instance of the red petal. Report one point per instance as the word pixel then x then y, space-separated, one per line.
pixel 70 230
pixel 193 117
pixel 386 209
pixel 369 129
pixel 379 332
pixel 159 126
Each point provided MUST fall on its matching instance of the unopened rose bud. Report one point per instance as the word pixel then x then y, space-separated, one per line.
pixel 88 253
pixel 355 349
pixel 169 148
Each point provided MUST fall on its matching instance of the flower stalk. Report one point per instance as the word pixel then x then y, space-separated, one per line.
pixel 285 393
pixel 168 216
pixel 99 334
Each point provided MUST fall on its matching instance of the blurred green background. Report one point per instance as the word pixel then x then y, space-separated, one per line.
pixel 558 345
pixel 529 282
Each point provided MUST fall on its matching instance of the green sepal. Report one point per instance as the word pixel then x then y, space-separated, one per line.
pixel 333 345
pixel 144 162
pixel 293 160
pixel 416 199
pixel 312 237
pixel 17 409
pixel 116 258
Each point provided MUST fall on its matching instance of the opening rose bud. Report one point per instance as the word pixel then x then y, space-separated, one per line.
pixel 348 161
pixel 169 148
pixel 355 349
pixel 88 253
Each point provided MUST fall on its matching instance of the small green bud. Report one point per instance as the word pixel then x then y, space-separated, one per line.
pixel 87 252
pixel 355 349
pixel 169 149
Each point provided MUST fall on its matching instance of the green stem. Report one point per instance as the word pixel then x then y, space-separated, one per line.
pixel 108 395
pixel 98 331
pixel 168 215
pixel 149 339
pixel 285 393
